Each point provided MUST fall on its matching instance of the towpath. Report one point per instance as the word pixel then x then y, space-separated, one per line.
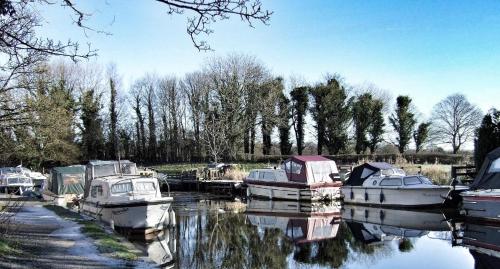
pixel 45 240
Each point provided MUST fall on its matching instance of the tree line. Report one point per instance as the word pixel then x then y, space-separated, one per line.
pixel 232 108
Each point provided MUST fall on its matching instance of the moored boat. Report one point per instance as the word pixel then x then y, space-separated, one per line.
pixel 482 201
pixel 382 184
pixel 64 184
pixel 300 178
pixel 117 195
pixel 15 183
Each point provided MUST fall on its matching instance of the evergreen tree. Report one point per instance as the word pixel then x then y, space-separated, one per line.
pixel 113 115
pixel 376 129
pixel 92 134
pixel 338 110
pixel 487 136
pixel 421 135
pixel 299 108
pixel 403 122
pixel 284 124
pixel 318 112
pixel 362 118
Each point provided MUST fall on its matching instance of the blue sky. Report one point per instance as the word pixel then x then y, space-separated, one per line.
pixel 426 49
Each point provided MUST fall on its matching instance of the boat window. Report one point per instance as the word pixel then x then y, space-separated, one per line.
pixel 293 167
pixel 253 174
pixel 392 181
pixel 412 181
pixel 495 166
pixel 103 170
pixel 267 176
pixel 121 187
pixel 129 169
pixel 426 180
pixel 145 186
pixel 96 190
pixel 18 180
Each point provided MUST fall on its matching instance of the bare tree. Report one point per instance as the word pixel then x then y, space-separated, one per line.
pixel 454 120
pixel 205 12
pixel 214 135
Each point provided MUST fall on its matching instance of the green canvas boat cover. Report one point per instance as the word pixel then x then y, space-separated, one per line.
pixel 67 180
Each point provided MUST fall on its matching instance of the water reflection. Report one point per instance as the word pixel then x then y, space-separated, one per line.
pixel 483 242
pixel 268 234
pixel 371 225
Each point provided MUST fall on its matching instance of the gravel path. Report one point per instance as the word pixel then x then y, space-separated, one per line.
pixel 48 241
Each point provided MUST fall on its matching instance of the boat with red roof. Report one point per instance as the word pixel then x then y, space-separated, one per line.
pixel 300 178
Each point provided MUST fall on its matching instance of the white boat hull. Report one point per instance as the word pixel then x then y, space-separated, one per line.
pixel 134 215
pixel 397 197
pixel 293 193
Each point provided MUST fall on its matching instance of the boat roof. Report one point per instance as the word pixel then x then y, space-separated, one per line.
pixel 74 169
pixel 310 158
pixel 488 176
pixel 360 173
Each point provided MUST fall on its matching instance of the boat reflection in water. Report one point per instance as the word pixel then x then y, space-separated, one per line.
pixel 483 242
pixel 370 224
pixel 301 222
pixel 159 247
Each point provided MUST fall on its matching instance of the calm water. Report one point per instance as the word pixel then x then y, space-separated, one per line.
pixel 215 234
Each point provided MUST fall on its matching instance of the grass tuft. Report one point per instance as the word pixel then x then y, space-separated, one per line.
pixel 6 248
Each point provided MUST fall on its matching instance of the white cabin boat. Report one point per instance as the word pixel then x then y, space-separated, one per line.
pixel 300 178
pixel 384 185
pixel 482 201
pixel 37 177
pixel 15 183
pixel 116 194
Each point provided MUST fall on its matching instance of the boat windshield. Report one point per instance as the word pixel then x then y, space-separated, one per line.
pixel 103 170
pixel 144 186
pixel 18 180
pixel 122 187
pixel 292 167
pixel 495 166
pixel 426 180
pixel 129 169
pixel 127 186
pixel 391 181
pixel 412 180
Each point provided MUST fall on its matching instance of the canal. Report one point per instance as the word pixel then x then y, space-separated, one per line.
pixel 218 233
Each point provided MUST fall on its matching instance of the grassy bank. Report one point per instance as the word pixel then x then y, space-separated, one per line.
pixel 106 243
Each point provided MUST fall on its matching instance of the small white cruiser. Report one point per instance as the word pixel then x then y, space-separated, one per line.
pixel 301 178
pixel 14 182
pixel 384 185
pixel 116 194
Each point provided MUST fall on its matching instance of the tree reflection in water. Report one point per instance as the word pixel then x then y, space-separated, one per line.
pixel 229 240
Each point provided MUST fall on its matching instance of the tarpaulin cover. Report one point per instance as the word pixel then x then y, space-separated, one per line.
pixel 67 180
pixel 488 176
pixel 360 173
